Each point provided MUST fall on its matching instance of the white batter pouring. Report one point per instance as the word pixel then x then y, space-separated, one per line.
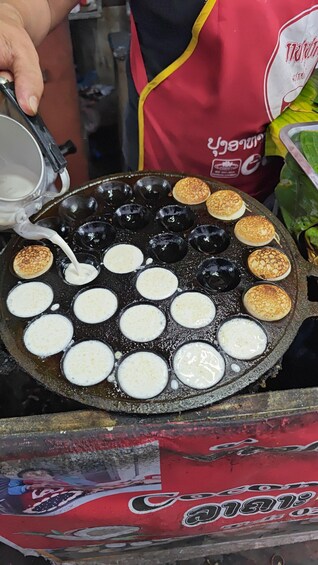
pixel 85 274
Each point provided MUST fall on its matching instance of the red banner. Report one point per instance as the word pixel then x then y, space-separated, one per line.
pixel 159 488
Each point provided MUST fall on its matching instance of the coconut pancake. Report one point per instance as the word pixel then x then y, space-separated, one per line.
pixel 95 305
pixel 198 365
pixel 156 283
pixel 269 264
pixel 255 231
pixel 32 261
pixel 191 190
pixel 48 335
pixel 123 258
pixel 267 302
pixel 242 338
pixel 88 362
pixel 193 310
pixel 143 374
pixel 142 322
pixel 225 205
pixel 29 299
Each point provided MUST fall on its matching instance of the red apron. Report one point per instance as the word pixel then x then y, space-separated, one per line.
pixel 207 112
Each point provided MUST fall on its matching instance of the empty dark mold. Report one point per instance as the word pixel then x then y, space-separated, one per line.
pixel 176 218
pixel 152 188
pixel 113 193
pixel 97 235
pixel 168 247
pixel 132 217
pixel 55 223
pixel 218 274
pixel 77 208
pixel 209 239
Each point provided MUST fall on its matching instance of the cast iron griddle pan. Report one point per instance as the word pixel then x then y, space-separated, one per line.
pixel 102 200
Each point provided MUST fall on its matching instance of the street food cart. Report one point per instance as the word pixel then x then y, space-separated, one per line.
pixel 188 473
pixel 117 474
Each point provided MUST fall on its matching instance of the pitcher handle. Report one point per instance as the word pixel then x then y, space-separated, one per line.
pixel 65 179
pixel 38 128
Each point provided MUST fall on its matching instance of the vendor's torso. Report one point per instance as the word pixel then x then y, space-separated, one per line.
pixel 207 114
pixel 164 29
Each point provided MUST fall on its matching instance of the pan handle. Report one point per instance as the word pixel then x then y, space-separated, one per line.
pixel 310 306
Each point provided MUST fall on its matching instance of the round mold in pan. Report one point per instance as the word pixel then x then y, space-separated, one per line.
pixel 113 193
pixel 152 188
pixel 176 218
pixel 62 263
pixel 96 235
pixel 57 224
pixel 168 247
pixel 107 395
pixel 77 208
pixel 132 217
pixel 209 239
pixel 218 274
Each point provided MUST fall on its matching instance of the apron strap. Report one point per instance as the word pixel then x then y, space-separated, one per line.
pixel 137 64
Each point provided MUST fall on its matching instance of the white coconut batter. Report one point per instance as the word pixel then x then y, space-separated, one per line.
pixel 198 365
pixel 242 338
pixel 143 375
pixel 48 335
pixel 142 322
pixel 29 299
pixel 156 283
pixel 193 310
pixel 88 363
pixel 123 258
pixel 86 274
pixel 95 305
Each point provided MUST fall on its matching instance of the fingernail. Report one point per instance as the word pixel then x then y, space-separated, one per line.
pixel 33 103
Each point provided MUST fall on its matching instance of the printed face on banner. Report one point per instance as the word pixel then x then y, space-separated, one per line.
pixel 51 491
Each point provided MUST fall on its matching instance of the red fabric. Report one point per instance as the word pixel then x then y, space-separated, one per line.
pixel 209 117
pixel 236 476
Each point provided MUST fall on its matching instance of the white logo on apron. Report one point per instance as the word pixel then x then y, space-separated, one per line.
pixel 292 62
pixel 245 160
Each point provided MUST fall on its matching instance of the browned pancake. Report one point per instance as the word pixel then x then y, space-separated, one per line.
pixel 269 264
pixel 225 205
pixel 267 302
pixel 32 261
pixel 191 191
pixel 255 231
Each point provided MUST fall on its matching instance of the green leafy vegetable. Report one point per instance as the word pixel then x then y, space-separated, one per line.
pixel 309 147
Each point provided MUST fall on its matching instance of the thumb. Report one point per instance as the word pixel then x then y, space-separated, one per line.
pixel 27 78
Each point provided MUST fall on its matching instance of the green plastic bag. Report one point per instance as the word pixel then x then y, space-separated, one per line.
pixel 303 109
pixel 298 197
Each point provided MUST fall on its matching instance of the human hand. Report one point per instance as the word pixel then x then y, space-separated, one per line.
pixel 19 60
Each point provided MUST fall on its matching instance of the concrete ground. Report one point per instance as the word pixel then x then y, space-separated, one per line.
pixel 296 554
